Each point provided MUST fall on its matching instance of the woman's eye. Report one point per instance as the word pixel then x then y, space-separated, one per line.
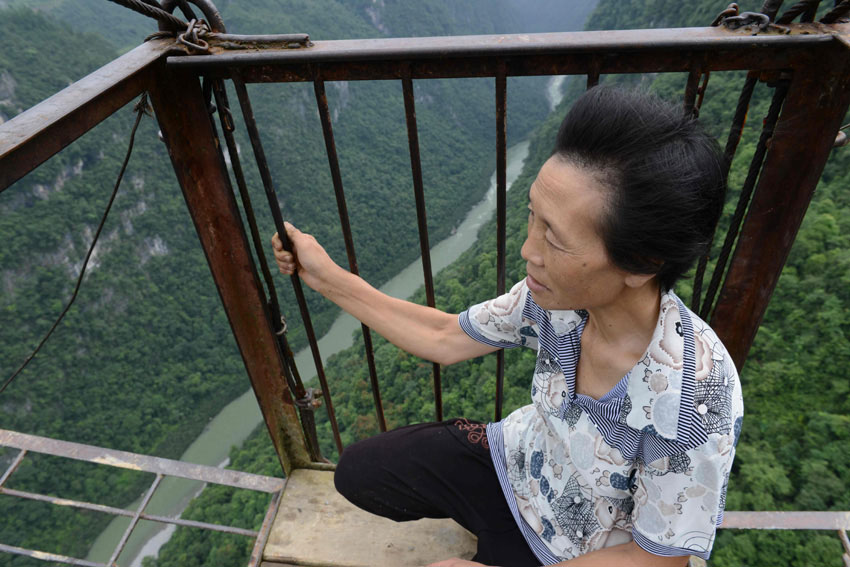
pixel 552 244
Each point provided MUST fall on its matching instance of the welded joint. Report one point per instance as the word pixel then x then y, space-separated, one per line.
pixel 135 520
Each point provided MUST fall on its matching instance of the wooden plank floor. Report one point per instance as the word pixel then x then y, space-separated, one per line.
pixel 317 527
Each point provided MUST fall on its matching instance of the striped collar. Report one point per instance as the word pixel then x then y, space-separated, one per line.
pixel 661 384
pixel 657 395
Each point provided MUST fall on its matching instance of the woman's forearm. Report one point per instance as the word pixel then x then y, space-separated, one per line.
pixel 423 331
pixel 624 555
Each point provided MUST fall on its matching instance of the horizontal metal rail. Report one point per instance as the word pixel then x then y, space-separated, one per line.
pixel 46 556
pixel 786 520
pixel 32 137
pixel 121 459
pixel 136 462
pixel 623 51
pixel 82 505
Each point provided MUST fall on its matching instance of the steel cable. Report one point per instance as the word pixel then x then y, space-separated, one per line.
pixel 141 109
pixel 746 194
pixel 840 11
pixel 153 12
pixel 804 7
pixel 290 370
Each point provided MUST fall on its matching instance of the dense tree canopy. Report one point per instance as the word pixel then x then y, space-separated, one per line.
pixel 793 452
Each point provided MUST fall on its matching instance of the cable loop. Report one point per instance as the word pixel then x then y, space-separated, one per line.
pixel 311 400
pixel 141 108
pixel 730 11
pixel 283 326
pixel 747 19
pixel 195 32
pixel 164 18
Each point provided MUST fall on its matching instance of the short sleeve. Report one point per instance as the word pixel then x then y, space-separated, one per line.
pixel 499 322
pixel 679 499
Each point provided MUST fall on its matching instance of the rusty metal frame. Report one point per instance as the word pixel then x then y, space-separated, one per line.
pixel 195 154
pixel 815 55
pixel 32 137
pixel 158 466
pixel 577 53
pixel 817 101
pixel 808 51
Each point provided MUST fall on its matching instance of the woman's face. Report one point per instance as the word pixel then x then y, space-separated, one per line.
pixel 567 264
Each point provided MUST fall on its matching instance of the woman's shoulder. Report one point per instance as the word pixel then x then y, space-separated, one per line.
pixel 686 388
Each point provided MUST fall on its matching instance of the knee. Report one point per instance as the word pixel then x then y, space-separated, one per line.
pixel 354 471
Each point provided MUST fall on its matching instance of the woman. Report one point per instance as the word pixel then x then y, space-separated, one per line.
pixel 624 454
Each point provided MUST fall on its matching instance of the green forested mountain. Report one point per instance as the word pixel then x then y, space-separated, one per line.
pixel 146 356
pixel 793 452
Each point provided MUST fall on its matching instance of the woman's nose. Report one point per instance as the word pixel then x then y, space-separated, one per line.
pixel 530 251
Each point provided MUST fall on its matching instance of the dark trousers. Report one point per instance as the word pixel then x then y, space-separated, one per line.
pixel 436 470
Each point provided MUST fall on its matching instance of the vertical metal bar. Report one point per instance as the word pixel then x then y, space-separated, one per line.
pixel 732 141
pixel 262 538
pixel 228 126
pixel 755 169
pixel 424 246
pixel 293 378
pixel 501 213
pixel 740 118
pixel 13 467
pixel 593 74
pixel 701 92
pixel 336 177
pixel 809 15
pixel 816 103
pixel 184 120
pixel 770 8
pixel 135 520
pixel 691 88
pixel 274 206
pixel 842 535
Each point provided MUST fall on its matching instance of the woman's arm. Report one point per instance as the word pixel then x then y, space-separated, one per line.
pixel 423 331
pixel 624 555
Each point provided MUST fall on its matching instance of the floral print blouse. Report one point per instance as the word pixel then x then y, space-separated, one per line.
pixel 648 461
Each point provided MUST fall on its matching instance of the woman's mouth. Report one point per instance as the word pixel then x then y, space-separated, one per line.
pixel 535 285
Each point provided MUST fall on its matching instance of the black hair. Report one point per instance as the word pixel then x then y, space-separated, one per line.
pixel 666 176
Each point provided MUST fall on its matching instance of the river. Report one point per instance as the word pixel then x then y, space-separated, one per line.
pixel 239 418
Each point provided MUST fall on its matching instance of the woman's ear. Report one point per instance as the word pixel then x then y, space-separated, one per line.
pixel 638 280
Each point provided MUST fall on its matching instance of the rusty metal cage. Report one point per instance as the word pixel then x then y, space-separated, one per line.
pixel 808 64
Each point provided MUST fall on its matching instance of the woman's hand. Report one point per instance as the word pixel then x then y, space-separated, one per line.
pixel 310 261
pixel 423 331
pixel 455 562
